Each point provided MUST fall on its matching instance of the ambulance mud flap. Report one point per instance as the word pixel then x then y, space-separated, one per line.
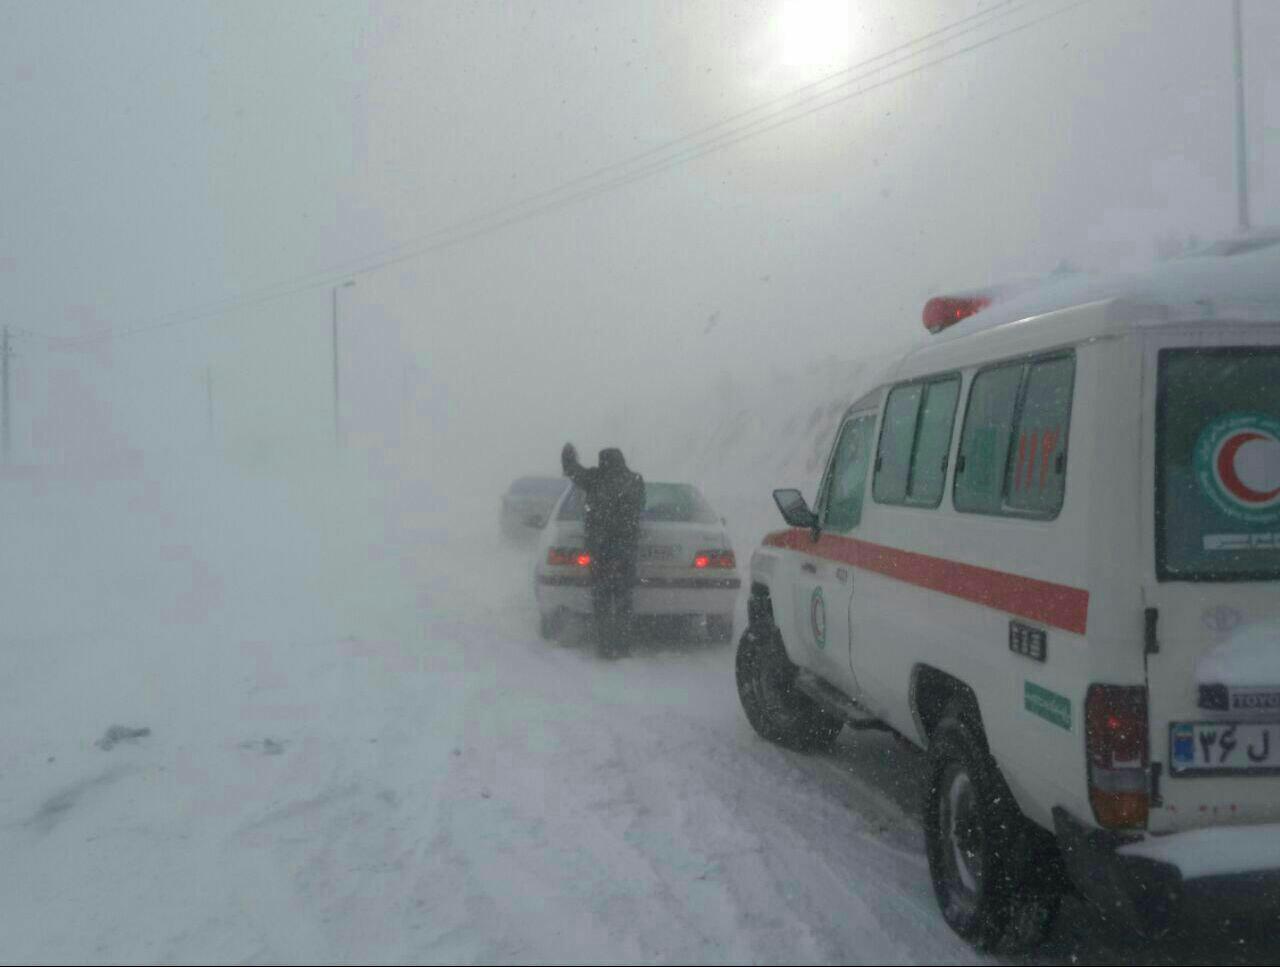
pixel 1141 892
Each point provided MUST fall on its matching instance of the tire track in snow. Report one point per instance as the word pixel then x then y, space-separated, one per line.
pixel 671 826
pixel 791 860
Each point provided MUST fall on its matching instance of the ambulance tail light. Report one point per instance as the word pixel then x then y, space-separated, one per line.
pixel 1116 748
pixel 943 311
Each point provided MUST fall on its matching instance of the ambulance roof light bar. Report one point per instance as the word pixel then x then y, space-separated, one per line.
pixel 943 311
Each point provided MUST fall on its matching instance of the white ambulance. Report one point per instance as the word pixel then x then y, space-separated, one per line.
pixel 1046 548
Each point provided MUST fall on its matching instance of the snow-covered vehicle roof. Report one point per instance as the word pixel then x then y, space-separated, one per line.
pixel 1237 280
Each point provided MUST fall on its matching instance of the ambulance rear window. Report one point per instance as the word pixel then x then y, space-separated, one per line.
pixel 1218 464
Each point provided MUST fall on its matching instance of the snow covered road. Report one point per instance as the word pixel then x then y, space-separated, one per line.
pixel 380 761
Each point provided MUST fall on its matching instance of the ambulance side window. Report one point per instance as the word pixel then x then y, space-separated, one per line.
pixel 984 442
pixel 897 435
pixel 933 443
pixel 1013 448
pixel 915 438
pixel 1038 456
pixel 847 482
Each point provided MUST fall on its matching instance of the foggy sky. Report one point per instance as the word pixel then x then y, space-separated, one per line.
pixel 160 157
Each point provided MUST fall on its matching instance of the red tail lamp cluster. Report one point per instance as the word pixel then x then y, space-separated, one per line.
pixel 568 557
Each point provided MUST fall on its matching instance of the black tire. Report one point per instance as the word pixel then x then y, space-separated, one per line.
pixel 776 709
pixel 550 625
pixel 720 628
pixel 995 874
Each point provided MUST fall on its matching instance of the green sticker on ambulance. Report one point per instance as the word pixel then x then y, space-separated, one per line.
pixel 1050 706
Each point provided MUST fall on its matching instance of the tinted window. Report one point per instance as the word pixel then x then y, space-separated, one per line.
pixel 571 509
pixel 848 480
pixel 984 442
pixel 676 502
pixel 1037 470
pixel 1013 449
pixel 933 443
pixel 1218 465
pixel 893 461
pixel 662 502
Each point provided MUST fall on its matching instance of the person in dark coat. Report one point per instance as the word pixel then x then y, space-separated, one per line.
pixel 613 498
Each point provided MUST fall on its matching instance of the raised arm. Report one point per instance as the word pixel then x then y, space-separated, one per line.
pixel 580 475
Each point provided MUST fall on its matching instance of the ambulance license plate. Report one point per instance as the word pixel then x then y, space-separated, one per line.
pixel 1218 747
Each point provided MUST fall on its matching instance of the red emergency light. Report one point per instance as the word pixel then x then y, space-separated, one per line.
pixel 944 310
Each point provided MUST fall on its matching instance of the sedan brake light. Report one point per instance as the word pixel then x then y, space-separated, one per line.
pixel 706 559
pixel 568 557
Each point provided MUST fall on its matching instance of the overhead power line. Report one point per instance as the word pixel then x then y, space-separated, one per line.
pixel 799 103
pixel 373 259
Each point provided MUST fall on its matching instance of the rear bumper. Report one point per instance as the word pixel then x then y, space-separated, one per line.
pixel 709 595
pixel 1149 880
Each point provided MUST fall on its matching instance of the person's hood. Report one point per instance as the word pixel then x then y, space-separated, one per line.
pixel 612 461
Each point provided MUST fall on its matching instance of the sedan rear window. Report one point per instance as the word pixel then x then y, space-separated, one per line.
pixel 662 502
pixel 676 502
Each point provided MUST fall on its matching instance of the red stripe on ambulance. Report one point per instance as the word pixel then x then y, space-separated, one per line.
pixel 1056 605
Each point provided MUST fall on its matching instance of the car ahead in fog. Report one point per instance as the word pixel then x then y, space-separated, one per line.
pixel 528 503
pixel 1046 549
pixel 685 569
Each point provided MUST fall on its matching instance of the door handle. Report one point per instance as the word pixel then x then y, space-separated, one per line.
pixel 809 568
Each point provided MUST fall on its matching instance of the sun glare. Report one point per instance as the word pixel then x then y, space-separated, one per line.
pixel 814 33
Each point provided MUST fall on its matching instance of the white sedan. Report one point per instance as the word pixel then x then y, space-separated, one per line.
pixel 527 504
pixel 685 568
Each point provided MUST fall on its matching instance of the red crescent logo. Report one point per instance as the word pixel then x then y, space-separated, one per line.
pixel 1226 467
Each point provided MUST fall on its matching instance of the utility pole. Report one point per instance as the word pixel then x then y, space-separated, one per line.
pixel 1242 157
pixel 337 397
pixel 6 440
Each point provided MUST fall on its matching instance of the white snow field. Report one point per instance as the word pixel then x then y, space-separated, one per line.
pixel 360 750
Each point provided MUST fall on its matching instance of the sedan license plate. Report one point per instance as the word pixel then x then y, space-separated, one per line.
pixel 1217 747
pixel 657 552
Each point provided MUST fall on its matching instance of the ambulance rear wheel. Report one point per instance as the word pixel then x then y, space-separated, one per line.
pixel 775 707
pixel 995 876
